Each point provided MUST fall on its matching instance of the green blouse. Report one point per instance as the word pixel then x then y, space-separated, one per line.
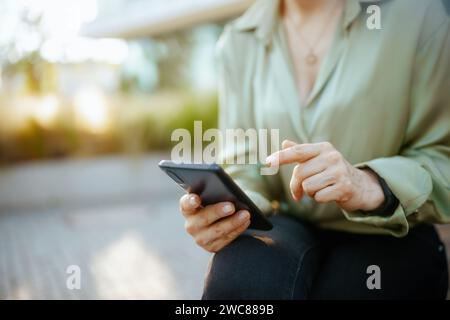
pixel 381 98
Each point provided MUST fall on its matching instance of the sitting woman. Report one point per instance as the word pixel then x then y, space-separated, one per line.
pixel 360 93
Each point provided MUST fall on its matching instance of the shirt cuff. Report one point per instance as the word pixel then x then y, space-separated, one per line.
pixel 409 182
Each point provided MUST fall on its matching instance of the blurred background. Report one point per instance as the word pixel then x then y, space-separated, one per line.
pixel 90 91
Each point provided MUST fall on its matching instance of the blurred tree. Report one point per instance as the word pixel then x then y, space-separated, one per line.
pixel 40 76
pixel 160 62
pixel 173 63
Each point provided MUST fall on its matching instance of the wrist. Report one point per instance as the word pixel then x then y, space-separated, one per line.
pixel 372 192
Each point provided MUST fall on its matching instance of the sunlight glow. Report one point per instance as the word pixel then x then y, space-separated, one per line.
pixel 135 266
pixel 91 110
pixel 46 110
pixel 61 22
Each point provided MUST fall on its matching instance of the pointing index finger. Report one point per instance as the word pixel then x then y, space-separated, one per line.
pixel 294 154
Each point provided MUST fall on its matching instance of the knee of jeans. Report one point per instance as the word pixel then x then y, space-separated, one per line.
pixel 223 279
pixel 244 270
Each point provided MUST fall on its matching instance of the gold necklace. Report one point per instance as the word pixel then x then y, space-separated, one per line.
pixel 312 57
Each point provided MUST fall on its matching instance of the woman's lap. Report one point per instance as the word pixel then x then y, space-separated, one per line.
pixel 264 265
pixel 413 267
pixel 297 261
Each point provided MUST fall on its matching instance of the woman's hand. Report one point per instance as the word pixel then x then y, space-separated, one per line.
pixel 214 226
pixel 324 174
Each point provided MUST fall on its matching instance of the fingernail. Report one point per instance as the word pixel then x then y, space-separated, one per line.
pixel 228 208
pixel 243 215
pixel 193 200
pixel 269 160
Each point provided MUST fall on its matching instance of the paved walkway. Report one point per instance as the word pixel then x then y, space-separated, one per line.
pixel 129 247
pixel 135 251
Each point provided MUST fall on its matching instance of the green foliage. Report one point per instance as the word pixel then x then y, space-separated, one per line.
pixel 152 130
pixel 140 124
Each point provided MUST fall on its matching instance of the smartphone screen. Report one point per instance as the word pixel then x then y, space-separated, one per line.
pixel 214 185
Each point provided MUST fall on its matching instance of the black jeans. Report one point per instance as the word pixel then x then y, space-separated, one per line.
pixel 295 260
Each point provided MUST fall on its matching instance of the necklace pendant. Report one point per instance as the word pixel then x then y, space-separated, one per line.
pixel 311 59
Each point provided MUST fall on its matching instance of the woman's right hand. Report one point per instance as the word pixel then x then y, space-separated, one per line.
pixel 214 226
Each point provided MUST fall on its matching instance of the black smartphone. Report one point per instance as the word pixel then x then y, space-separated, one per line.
pixel 214 185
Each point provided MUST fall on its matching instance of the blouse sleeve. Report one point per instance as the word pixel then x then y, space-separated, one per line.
pixel 420 175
